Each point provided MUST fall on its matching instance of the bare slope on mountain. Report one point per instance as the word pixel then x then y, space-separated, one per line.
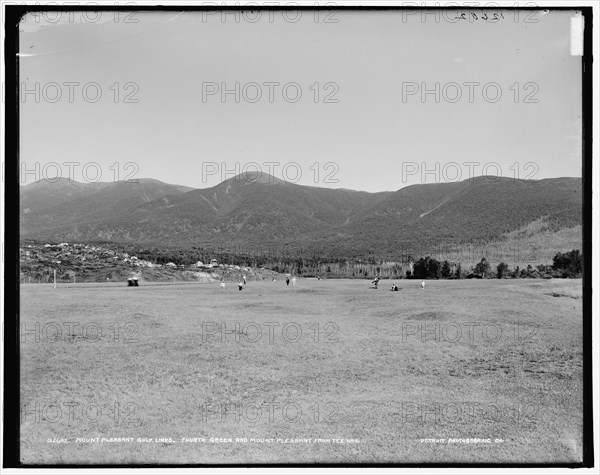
pixel 472 211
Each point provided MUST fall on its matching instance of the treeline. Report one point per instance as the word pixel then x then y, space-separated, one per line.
pixel 565 265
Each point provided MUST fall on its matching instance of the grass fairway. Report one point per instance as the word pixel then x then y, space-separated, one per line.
pixel 374 376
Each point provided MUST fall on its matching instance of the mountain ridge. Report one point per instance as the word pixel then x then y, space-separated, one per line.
pixel 263 208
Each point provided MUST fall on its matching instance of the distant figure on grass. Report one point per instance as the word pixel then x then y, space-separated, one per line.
pixel 240 286
pixel 423 285
pixel 375 281
pixel 293 281
pixel 245 280
pixel 287 281
pixel 222 285
pixel 394 287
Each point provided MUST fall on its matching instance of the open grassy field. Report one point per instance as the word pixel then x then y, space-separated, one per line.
pixel 326 371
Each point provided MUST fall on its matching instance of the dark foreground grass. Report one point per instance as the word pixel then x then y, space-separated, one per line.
pixel 359 375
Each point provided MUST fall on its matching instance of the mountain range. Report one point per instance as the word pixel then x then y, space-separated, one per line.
pixel 253 209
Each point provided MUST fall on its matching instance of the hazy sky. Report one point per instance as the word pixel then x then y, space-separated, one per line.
pixel 161 75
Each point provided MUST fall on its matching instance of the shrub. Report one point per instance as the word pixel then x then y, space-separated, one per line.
pixel 502 270
pixel 569 264
pixel 426 268
pixel 482 269
pixel 446 271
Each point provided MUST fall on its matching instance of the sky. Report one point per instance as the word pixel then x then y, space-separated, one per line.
pixel 332 100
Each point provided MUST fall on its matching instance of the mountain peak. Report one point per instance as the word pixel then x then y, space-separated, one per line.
pixel 252 176
pixel 57 182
